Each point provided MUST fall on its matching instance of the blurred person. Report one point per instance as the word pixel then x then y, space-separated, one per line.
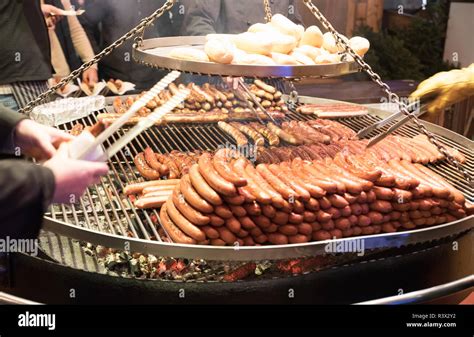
pixel 231 17
pixel 107 20
pixel 72 34
pixel 27 188
pixel 25 58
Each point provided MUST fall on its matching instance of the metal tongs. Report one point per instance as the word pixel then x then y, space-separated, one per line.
pixel 415 109
pixel 244 87
pixel 136 106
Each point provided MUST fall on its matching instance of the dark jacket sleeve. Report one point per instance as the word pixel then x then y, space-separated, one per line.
pixel 27 191
pixel 95 12
pixel 8 121
pixel 201 17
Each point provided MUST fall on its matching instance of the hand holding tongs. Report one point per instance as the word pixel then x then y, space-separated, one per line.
pixel 414 109
pixel 88 147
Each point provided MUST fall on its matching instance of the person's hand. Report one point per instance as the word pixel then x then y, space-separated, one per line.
pixel 38 141
pixel 447 87
pixel 90 76
pixel 72 177
pixel 233 82
pixel 52 15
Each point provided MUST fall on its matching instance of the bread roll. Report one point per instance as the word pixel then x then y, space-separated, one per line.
pixel 312 37
pixel 284 60
pixel 286 26
pixel 328 59
pixel 309 51
pixel 225 37
pixel 189 54
pixel 281 43
pixel 220 51
pixel 329 43
pixel 239 56
pixel 303 59
pixel 360 45
pixel 256 59
pixel 262 28
pixel 252 44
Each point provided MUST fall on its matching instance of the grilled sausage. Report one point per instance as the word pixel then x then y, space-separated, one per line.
pixel 222 164
pixel 202 187
pixel 238 136
pixel 218 184
pixel 184 224
pixel 144 169
pixel 193 197
pixel 172 230
pixel 194 216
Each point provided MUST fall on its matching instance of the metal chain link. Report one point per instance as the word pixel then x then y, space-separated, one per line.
pixel 76 73
pixel 268 10
pixel 393 97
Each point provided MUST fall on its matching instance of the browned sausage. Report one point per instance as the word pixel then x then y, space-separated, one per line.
pixel 305 228
pixel 222 164
pixel 312 205
pixel 144 169
pixel 298 238
pixel 216 221
pixel 194 216
pixel 321 235
pixel 338 201
pixel 277 239
pixel 214 180
pixel 253 209
pixel 192 197
pixel 151 201
pixel 173 231
pixel 262 221
pixel 247 223
pixel 211 233
pixel 269 211
pixel 286 191
pixel 223 211
pixel 260 195
pixel 295 218
pixel 286 175
pixel 235 201
pixel 202 187
pixel 183 223
pixel 381 206
pixel 277 199
pixel 151 160
pixel 383 193
pixel 233 225
pixel 280 218
pixel 238 211
pixel 226 235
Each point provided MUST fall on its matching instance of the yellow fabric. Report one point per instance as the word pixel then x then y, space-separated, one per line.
pixel 449 87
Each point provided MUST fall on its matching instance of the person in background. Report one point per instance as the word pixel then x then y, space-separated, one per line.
pixel 27 188
pixel 72 33
pixel 107 20
pixel 25 58
pixel 232 17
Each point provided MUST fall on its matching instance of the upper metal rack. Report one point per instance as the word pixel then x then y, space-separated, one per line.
pixel 154 53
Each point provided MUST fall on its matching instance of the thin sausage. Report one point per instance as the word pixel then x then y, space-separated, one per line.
pixel 184 224
pixel 173 231
pixel 202 187
pixel 192 197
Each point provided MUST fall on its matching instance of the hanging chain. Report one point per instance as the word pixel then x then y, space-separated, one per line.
pixel 76 73
pixel 393 97
pixel 268 10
